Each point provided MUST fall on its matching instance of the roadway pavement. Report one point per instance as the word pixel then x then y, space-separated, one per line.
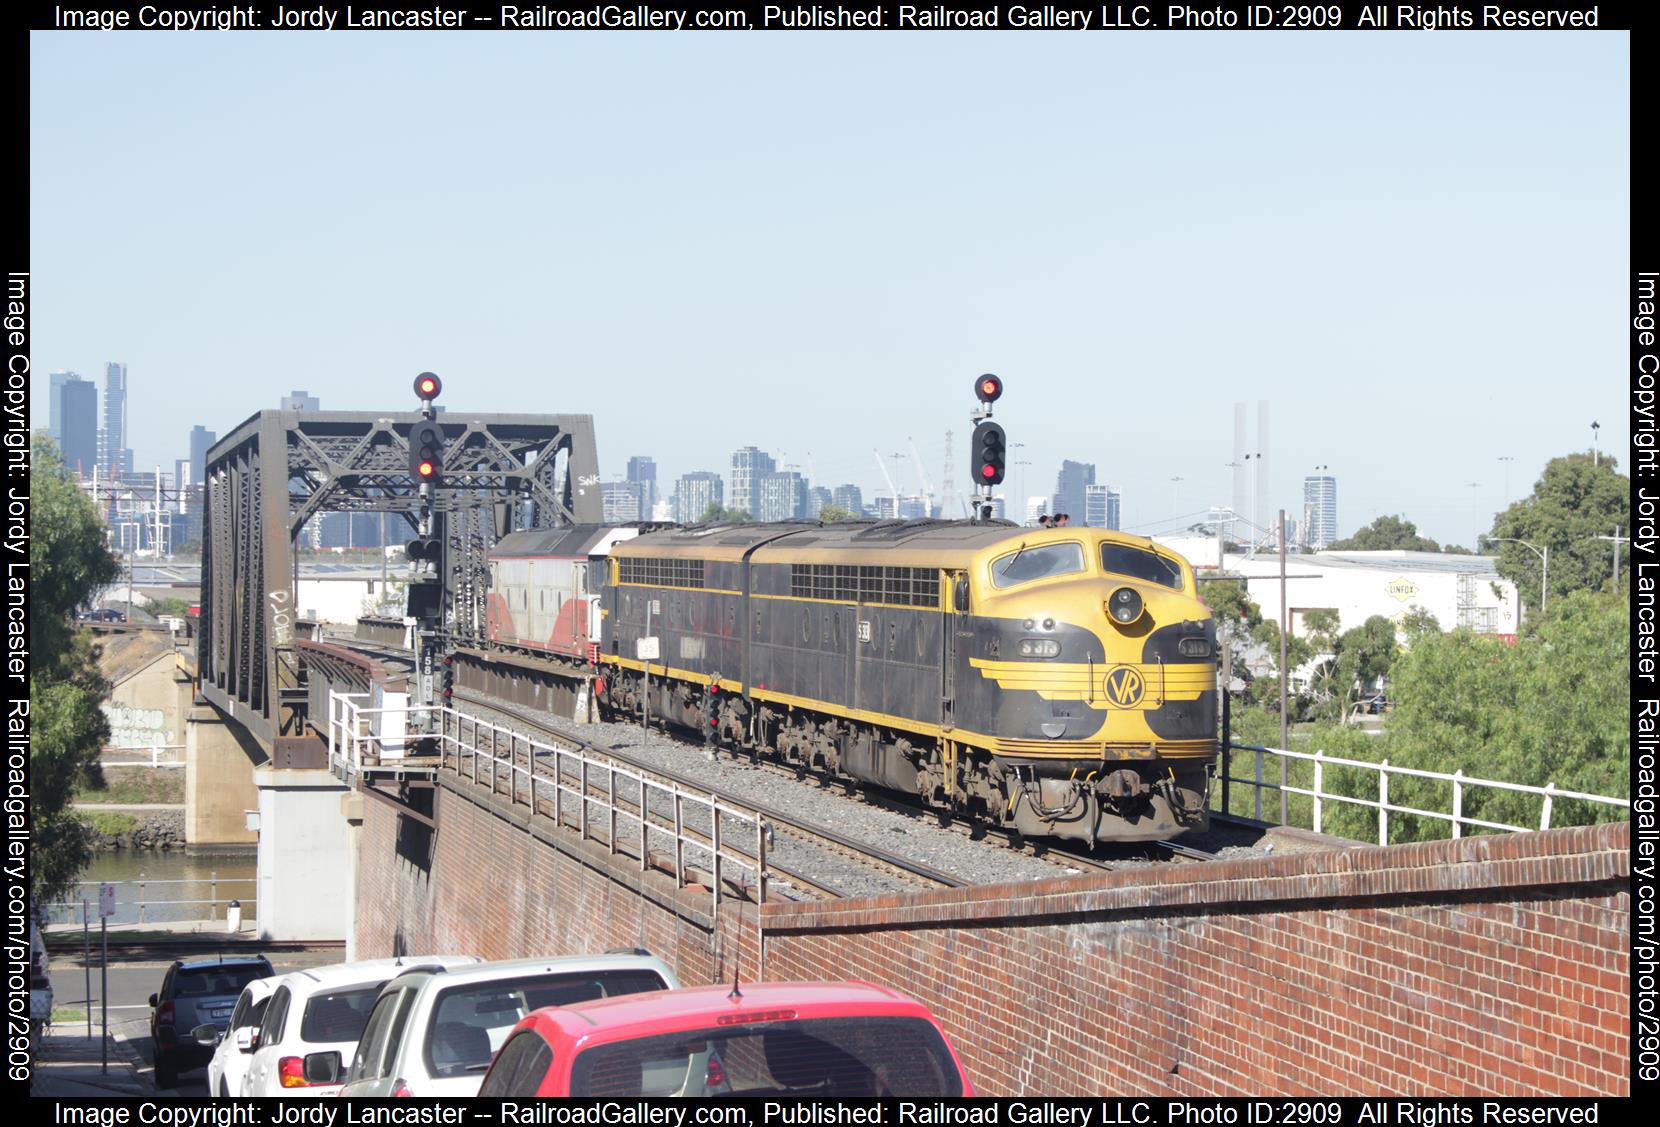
pixel 70 1063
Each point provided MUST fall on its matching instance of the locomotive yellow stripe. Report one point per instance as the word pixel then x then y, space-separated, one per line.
pixel 1067 682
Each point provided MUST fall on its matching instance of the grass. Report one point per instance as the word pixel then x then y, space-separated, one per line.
pixel 137 785
pixel 110 825
pixel 63 1015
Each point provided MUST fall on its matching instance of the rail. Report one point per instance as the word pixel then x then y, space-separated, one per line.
pixel 155 752
pixel 576 788
pixel 144 904
pixel 1459 781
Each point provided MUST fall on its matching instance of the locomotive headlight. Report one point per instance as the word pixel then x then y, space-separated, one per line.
pixel 1039 647
pixel 1193 647
pixel 1124 605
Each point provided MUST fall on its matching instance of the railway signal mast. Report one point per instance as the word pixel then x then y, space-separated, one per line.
pixel 426 591
pixel 989 447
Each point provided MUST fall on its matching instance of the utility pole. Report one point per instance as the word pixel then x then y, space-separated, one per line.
pixel 1285 626
pixel 1618 540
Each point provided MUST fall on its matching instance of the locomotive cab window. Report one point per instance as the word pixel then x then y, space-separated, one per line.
pixel 1028 564
pixel 1138 563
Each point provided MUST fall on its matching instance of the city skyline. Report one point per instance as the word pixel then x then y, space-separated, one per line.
pixel 1395 240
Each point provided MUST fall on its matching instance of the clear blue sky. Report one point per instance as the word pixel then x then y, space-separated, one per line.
pixel 1414 246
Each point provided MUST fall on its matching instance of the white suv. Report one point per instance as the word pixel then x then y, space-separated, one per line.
pixel 234 1044
pixel 319 1013
pixel 434 1032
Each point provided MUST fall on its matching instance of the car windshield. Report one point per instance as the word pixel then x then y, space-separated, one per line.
pixel 1139 563
pixel 470 1021
pixel 338 1015
pixel 1037 563
pixel 216 980
pixel 822 1057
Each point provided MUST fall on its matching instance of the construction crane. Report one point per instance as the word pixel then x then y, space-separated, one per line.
pixel 887 477
pixel 922 474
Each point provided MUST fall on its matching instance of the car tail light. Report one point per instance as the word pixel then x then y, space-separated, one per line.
pixel 401 1089
pixel 714 1075
pixel 291 1073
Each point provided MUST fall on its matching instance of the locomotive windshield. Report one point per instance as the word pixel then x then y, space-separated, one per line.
pixel 1037 563
pixel 1138 563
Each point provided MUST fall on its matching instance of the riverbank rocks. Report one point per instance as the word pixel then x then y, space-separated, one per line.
pixel 156 829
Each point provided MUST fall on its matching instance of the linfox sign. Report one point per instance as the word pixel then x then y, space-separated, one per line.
pixel 1401 588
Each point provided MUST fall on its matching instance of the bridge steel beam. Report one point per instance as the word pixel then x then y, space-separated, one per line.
pixel 279 469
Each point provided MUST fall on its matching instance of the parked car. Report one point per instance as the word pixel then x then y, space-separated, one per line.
pixel 318 1013
pixel 433 1033
pixel 233 1044
pixel 820 1040
pixel 196 992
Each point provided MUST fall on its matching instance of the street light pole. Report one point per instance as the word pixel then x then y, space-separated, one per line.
pixel 1506 459
pixel 1544 560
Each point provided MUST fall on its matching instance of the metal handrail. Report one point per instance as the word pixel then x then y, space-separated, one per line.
pixel 155 751
pixel 1549 792
pixel 539 775
pixel 214 880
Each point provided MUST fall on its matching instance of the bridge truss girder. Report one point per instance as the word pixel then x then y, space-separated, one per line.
pixel 279 469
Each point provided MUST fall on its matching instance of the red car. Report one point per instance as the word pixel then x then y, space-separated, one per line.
pixel 810 1039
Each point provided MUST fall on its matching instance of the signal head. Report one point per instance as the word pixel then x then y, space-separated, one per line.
pixel 988 453
pixel 427 386
pixel 988 387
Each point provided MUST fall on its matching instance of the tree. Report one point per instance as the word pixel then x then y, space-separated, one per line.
pixel 715 514
pixel 832 514
pixel 1553 708
pixel 1385 534
pixel 68 563
pixel 1573 502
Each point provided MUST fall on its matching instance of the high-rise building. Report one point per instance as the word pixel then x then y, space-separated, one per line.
pixel 1319 510
pixel 201 439
pixel 749 466
pixel 620 501
pixel 1035 507
pixel 643 472
pixel 850 498
pixel 1095 506
pixel 78 409
pixel 817 498
pixel 54 422
pixel 783 496
pixel 1112 509
pixel 1069 487
pixel 113 455
pixel 694 493
pixel 299 401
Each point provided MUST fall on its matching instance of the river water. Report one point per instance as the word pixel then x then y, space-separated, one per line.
pixel 150 885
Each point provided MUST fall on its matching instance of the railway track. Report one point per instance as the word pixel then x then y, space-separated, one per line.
pixel 819 837
pixel 1065 857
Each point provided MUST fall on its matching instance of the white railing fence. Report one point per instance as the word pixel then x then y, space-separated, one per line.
pixel 604 801
pixel 65 911
pixel 1460 784
pixel 156 755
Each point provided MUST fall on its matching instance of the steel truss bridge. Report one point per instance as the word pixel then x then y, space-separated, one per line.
pixel 279 469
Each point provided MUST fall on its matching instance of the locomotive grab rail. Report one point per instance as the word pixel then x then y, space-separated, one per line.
pixel 631 806
pixel 1383 806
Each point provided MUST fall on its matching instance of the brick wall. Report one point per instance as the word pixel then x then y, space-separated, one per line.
pixel 487 883
pixel 1492 965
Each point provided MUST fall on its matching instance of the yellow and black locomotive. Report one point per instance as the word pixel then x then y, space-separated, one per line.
pixel 1058 682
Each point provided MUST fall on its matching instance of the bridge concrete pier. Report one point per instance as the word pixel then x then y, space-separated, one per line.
pixel 220 756
pixel 304 860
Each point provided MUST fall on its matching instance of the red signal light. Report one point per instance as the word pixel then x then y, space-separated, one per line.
pixel 426 469
pixel 427 386
pixel 988 471
pixel 988 388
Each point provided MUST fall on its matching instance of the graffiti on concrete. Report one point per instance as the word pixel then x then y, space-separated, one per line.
pixel 137 727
